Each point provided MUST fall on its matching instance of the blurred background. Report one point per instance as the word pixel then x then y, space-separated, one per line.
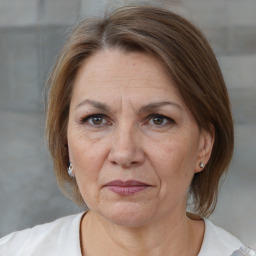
pixel 31 34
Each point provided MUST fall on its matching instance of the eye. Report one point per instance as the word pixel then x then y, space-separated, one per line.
pixel 159 120
pixel 95 120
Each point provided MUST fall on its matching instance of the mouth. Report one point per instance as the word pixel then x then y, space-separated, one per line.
pixel 126 188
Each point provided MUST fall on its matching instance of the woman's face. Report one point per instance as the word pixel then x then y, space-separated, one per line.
pixel 133 143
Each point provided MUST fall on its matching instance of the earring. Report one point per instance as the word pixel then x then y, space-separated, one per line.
pixel 201 164
pixel 70 170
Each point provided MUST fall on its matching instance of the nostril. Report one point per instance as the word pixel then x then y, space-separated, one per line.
pixel 113 162
pixel 124 164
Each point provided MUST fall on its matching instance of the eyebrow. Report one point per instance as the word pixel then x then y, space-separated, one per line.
pixel 96 104
pixel 153 106
pixel 146 108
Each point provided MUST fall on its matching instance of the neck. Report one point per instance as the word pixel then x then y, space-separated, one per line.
pixel 178 235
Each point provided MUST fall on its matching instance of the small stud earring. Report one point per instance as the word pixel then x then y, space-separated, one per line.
pixel 201 165
pixel 70 170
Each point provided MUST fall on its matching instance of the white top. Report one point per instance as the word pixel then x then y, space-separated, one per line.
pixel 61 237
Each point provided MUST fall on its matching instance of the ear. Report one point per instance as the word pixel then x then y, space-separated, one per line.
pixel 205 145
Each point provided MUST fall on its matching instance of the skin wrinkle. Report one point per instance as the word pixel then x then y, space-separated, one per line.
pixel 146 108
pixel 164 157
pixel 121 51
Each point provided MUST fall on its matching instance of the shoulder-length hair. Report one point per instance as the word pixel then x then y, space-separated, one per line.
pixel 188 60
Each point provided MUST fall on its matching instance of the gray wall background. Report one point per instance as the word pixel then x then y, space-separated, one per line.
pixel 31 34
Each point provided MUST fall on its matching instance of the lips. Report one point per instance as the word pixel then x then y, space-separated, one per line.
pixel 127 183
pixel 126 188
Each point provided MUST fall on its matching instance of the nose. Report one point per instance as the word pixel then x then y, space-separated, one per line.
pixel 126 150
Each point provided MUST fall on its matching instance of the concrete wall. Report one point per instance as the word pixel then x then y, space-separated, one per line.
pixel 31 34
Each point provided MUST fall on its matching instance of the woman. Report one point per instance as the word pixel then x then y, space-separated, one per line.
pixel 138 122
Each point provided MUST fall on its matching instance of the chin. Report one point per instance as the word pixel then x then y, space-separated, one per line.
pixel 128 214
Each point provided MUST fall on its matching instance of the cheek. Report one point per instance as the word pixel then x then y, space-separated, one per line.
pixel 88 156
pixel 84 151
pixel 175 161
pixel 87 162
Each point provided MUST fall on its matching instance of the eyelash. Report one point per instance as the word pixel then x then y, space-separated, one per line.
pixel 168 119
pixel 86 119
pixel 148 118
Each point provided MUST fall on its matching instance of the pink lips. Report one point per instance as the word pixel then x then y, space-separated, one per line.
pixel 126 188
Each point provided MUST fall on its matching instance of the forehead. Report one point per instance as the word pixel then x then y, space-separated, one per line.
pixel 113 71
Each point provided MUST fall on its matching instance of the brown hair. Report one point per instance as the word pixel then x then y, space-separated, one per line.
pixel 188 59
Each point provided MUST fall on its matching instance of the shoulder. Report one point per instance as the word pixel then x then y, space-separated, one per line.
pixel 44 239
pixel 219 242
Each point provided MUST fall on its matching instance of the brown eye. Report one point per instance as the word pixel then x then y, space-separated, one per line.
pixel 94 120
pixel 97 120
pixel 158 120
